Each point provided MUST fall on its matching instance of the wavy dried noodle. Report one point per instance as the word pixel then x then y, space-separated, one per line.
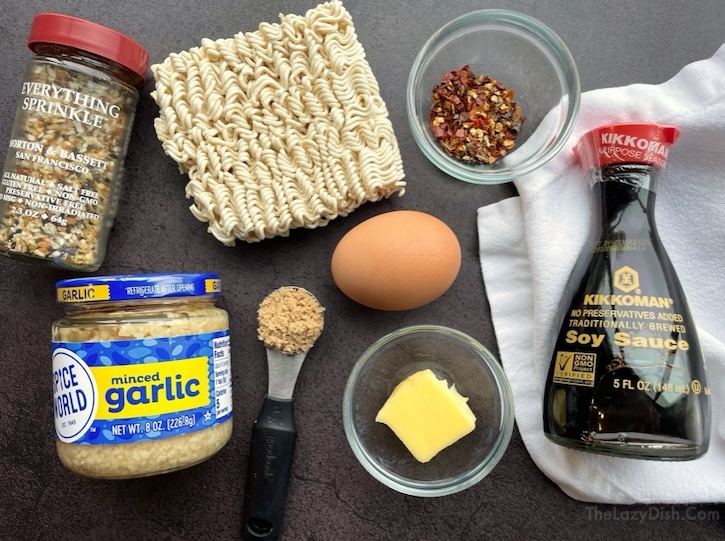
pixel 279 128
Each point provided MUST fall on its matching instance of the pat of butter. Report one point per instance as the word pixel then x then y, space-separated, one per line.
pixel 427 415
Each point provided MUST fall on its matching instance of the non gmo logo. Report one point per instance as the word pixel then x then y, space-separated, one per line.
pixel 75 395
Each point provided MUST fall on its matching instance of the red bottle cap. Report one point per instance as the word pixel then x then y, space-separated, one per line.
pixel 90 37
pixel 626 143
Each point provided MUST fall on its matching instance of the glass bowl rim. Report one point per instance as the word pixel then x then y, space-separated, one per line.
pixel 454 484
pixel 564 66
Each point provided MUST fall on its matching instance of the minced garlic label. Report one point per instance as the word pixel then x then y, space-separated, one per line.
pixel 123 391
pixel 84 293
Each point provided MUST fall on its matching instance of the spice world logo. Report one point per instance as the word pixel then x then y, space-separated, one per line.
pixel 626 279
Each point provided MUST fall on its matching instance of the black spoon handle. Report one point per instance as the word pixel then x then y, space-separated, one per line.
pixel 270 463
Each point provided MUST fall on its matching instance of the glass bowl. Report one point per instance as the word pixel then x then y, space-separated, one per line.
pixel 522 54
pixel 460 360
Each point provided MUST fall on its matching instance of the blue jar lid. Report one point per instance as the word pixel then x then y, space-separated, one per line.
pixel 127 287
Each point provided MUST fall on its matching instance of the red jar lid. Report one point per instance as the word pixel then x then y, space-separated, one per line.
pixel 626 143
pixel 91 37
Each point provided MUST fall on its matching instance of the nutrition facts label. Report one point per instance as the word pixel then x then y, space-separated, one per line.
pixel 222 376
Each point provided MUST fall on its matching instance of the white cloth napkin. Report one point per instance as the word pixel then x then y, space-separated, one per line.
pixel 528 245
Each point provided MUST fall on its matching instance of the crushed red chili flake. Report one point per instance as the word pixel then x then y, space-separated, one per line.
pixel 474 117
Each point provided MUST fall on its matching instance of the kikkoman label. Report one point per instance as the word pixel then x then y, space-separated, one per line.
pixel 626 143
pixel 626 279
pixel 133 390
pixel 639 143
pixel 623 318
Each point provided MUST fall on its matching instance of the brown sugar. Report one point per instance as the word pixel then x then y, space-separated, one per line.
pixel 290 320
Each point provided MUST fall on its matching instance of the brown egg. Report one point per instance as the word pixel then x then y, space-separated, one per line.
pixel 397 261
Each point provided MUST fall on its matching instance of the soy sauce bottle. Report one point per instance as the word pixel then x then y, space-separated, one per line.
pixel 627 375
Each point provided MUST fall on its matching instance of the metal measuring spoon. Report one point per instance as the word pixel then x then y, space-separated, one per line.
pixel 290 321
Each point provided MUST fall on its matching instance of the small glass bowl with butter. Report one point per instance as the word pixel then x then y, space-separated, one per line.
pixel 390 373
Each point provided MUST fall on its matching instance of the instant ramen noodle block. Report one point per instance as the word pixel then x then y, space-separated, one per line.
pixel 278 129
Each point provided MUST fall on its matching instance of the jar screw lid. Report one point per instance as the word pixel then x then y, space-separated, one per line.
pixel 91 37
pixel 129 287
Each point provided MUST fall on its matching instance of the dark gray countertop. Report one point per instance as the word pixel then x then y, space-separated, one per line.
pixel 331 497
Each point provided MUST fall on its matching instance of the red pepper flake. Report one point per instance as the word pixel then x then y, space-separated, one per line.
pixel 474 117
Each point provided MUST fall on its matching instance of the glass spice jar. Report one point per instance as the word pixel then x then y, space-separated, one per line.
pixel 60 184
pixel 141 374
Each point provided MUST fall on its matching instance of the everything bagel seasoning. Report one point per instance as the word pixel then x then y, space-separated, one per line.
pixel 60 184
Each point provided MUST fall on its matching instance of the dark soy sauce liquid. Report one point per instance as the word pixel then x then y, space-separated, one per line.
pixel 627 374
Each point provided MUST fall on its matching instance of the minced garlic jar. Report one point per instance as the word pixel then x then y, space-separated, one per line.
pixel 63 169
pixel 141 374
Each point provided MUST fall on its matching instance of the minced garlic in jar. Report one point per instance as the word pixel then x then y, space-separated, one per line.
pixel 141 374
